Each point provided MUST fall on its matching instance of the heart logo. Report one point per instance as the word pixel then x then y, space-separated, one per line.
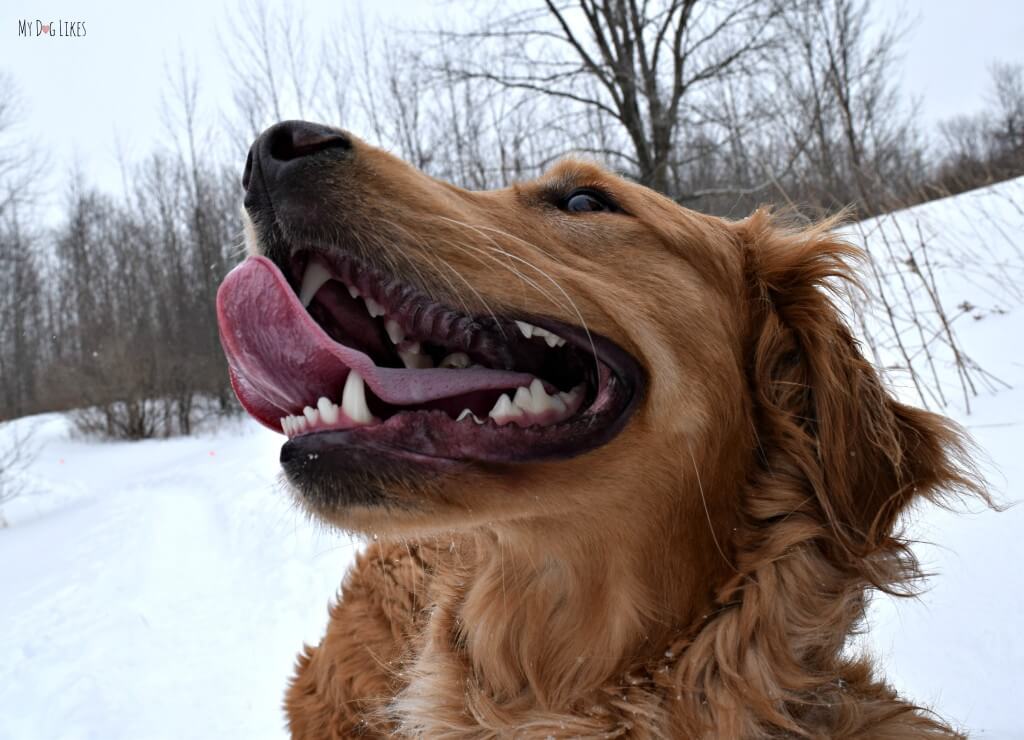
pixel 46 28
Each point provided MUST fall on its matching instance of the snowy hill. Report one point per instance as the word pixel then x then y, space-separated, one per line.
pixel 959 647
pixel 161 589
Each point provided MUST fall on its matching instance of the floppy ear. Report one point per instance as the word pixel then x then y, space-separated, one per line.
pixel 828 428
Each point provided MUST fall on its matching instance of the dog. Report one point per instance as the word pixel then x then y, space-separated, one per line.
pixel 623 468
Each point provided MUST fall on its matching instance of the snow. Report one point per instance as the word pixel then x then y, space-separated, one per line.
pixel 959 647
pixel 161 589
pixel 156 589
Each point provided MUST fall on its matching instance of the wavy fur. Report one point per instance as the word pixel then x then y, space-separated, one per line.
pixel 702 575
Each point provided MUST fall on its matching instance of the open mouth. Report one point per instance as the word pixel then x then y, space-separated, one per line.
pixel 336 355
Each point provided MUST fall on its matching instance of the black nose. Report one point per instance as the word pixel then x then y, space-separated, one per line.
pixel 286 142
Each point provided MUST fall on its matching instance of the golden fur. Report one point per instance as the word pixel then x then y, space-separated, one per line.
pixel 696 577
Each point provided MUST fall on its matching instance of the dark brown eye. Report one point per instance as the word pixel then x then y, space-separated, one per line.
pixel 586 201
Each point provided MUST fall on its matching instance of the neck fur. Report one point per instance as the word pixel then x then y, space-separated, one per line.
pixel 543 614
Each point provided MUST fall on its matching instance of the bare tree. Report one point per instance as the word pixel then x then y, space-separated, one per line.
pixel 16 155
pixel 16 455
pixel 840 110
pixel 639 66
pixel 987 146
pixel 20 287
pixel 274 73
pixel 1007 127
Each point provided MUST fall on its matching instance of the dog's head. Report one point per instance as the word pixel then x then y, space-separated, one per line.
pixel 572 348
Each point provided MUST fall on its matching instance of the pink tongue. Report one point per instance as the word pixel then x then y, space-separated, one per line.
pixel 281 360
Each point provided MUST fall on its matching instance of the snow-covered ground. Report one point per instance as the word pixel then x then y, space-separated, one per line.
pixel 156 589
pixel 161 589
pixel 959 648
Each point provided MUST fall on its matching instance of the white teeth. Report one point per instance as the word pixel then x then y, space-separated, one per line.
pixel 535 400
pixel 456 359
pixel 523 399
pixel 572 398
pixel 328 410
pixel 395 332
pixel 529 331
pixel 311 414
pixel 353 399
pixel 293 425
pixel 466 413
pixel 374 308
pixel 353 291
pixel 504 410
pixel 312 280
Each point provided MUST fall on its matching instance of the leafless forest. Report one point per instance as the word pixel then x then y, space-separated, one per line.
pixel 721 104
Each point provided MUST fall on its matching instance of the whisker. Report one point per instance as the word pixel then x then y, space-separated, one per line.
pixel 543 273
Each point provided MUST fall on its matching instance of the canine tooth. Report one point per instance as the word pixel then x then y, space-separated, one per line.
pixel 311 414
pixel 395 332
pixel 284 424
pixel 504 410
pixel 373 308
pixel 312 280
pixel 526 329
pixel 353 291
pixel 415 360
pixel 328 410
pixel 456 359
pixel 353 399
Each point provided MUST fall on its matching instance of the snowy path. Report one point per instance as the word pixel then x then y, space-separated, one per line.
pixel 156 590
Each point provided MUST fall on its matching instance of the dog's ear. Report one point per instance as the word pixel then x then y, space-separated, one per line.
pixel 829 431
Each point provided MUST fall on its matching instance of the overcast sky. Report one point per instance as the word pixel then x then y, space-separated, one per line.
pixel 84 97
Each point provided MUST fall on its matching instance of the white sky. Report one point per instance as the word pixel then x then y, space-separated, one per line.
pixel 85 97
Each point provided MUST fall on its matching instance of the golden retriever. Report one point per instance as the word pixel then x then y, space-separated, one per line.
pixel 625 469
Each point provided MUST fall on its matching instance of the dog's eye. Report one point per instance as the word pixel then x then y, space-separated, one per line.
pixel 587 201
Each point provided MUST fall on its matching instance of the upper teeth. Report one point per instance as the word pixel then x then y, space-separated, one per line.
pixel 529 331
pixel 313 279
pixel 528 405
pixel 395 332
pixel 317 274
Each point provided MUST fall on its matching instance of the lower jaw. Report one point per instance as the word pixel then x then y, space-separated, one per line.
pixel 434 439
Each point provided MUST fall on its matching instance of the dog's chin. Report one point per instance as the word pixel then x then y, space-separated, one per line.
pixel 364 489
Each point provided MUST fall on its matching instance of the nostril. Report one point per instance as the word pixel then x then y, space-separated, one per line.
pixel 247 172
pixel 279 149
pixel 294 140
